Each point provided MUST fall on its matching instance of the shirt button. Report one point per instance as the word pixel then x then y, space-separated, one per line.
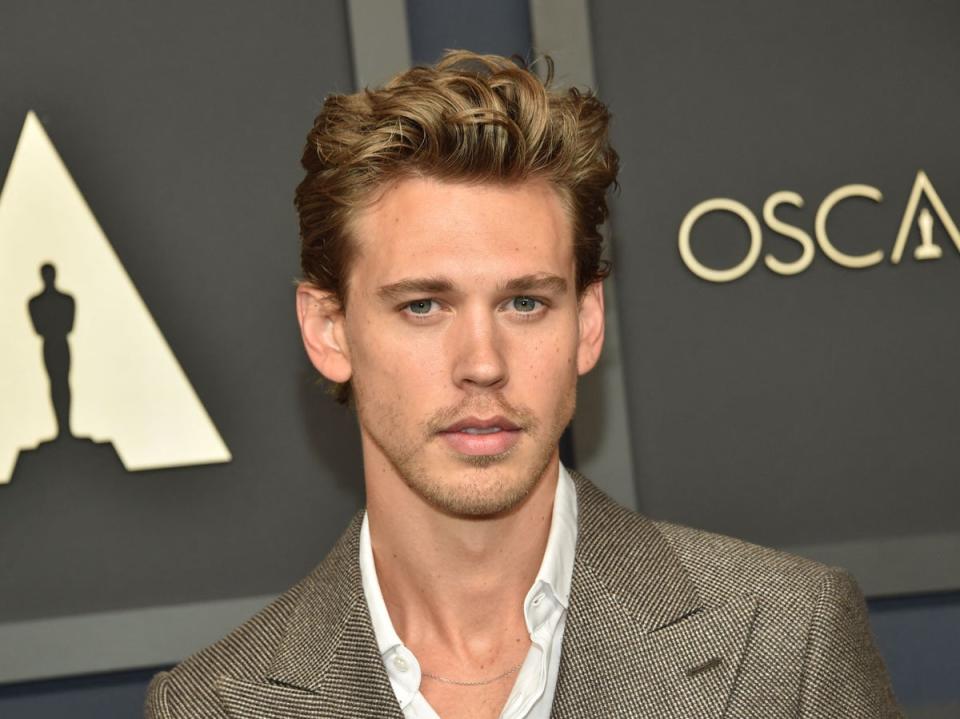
pixel 537 599
pixel 400 663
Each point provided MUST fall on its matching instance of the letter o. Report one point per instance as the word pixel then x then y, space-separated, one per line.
pixel 720 204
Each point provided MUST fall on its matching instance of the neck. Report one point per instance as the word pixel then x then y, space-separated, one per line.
pixel 457 584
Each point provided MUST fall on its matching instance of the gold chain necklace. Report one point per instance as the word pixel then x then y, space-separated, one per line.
pixel 479 683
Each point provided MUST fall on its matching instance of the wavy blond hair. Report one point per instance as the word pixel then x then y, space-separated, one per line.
pixel 470 118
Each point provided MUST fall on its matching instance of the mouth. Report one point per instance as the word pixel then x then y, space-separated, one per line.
pixel 475 425
pixel 475 436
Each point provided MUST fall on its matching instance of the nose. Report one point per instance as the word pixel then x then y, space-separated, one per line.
pixel 478 352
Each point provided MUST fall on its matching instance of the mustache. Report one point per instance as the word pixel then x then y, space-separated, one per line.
pixel 490 406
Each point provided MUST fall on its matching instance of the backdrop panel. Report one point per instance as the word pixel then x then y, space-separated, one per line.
pixel 182 125
pixel 814 410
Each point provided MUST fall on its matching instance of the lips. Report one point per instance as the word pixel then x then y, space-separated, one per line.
pixel 475 436
pixel 483 425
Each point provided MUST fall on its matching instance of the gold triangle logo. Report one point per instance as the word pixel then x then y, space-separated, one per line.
pixel 125 386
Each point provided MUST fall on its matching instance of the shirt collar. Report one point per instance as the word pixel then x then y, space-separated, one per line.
pixel 556 569
pixel 549 596
pixel 383 630
pixel 403 670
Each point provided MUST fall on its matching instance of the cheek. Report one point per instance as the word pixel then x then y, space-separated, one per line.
pixel 395 363
pixel 549 360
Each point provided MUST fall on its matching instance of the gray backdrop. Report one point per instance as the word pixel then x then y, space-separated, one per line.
pixel 182 124
pixel 810 411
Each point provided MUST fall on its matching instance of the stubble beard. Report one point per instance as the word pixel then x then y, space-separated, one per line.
pixel 486 485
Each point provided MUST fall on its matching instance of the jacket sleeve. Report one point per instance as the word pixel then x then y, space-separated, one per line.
pixel 843 674
pixel 156 703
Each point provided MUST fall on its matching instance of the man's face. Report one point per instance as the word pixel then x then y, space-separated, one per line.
pixel 463 335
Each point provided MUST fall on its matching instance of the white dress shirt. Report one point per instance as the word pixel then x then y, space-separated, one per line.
pixel 544 609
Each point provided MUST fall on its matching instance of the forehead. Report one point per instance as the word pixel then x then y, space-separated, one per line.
pixel 466 231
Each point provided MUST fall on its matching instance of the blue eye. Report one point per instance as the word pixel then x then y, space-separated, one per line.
pixel 525 304
pixel 420 307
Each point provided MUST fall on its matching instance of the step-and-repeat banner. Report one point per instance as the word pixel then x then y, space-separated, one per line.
pixel 789 273
pixel 163 442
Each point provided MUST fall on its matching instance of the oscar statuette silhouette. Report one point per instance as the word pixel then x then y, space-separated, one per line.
pixel 52 313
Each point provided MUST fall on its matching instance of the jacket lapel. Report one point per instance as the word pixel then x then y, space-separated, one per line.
pixel 638 641
pixel 328 664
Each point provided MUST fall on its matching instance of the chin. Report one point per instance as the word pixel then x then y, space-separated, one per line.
pixel 483 485
pixel 476 502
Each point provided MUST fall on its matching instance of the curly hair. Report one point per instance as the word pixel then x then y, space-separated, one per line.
pixel 470 117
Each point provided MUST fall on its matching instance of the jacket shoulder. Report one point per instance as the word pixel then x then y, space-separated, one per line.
pixel 813 622
pixel 720 567
pixel 723 567
pixel 189 689
pixel 248 652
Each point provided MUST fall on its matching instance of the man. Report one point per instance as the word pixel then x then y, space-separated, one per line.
pixel 452 262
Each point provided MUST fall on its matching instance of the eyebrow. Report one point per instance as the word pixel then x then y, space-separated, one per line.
pixel 415 286
pixel 540 282
pixel 537 282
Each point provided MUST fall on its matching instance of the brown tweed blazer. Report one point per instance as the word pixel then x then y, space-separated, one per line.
pixel 665 622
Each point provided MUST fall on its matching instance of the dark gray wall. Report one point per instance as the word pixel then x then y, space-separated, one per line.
pixel 804 410
pixel 493 26
pixel 182 124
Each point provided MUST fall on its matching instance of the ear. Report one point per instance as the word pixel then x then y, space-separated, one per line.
pixel 321 321
pixel 591 328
